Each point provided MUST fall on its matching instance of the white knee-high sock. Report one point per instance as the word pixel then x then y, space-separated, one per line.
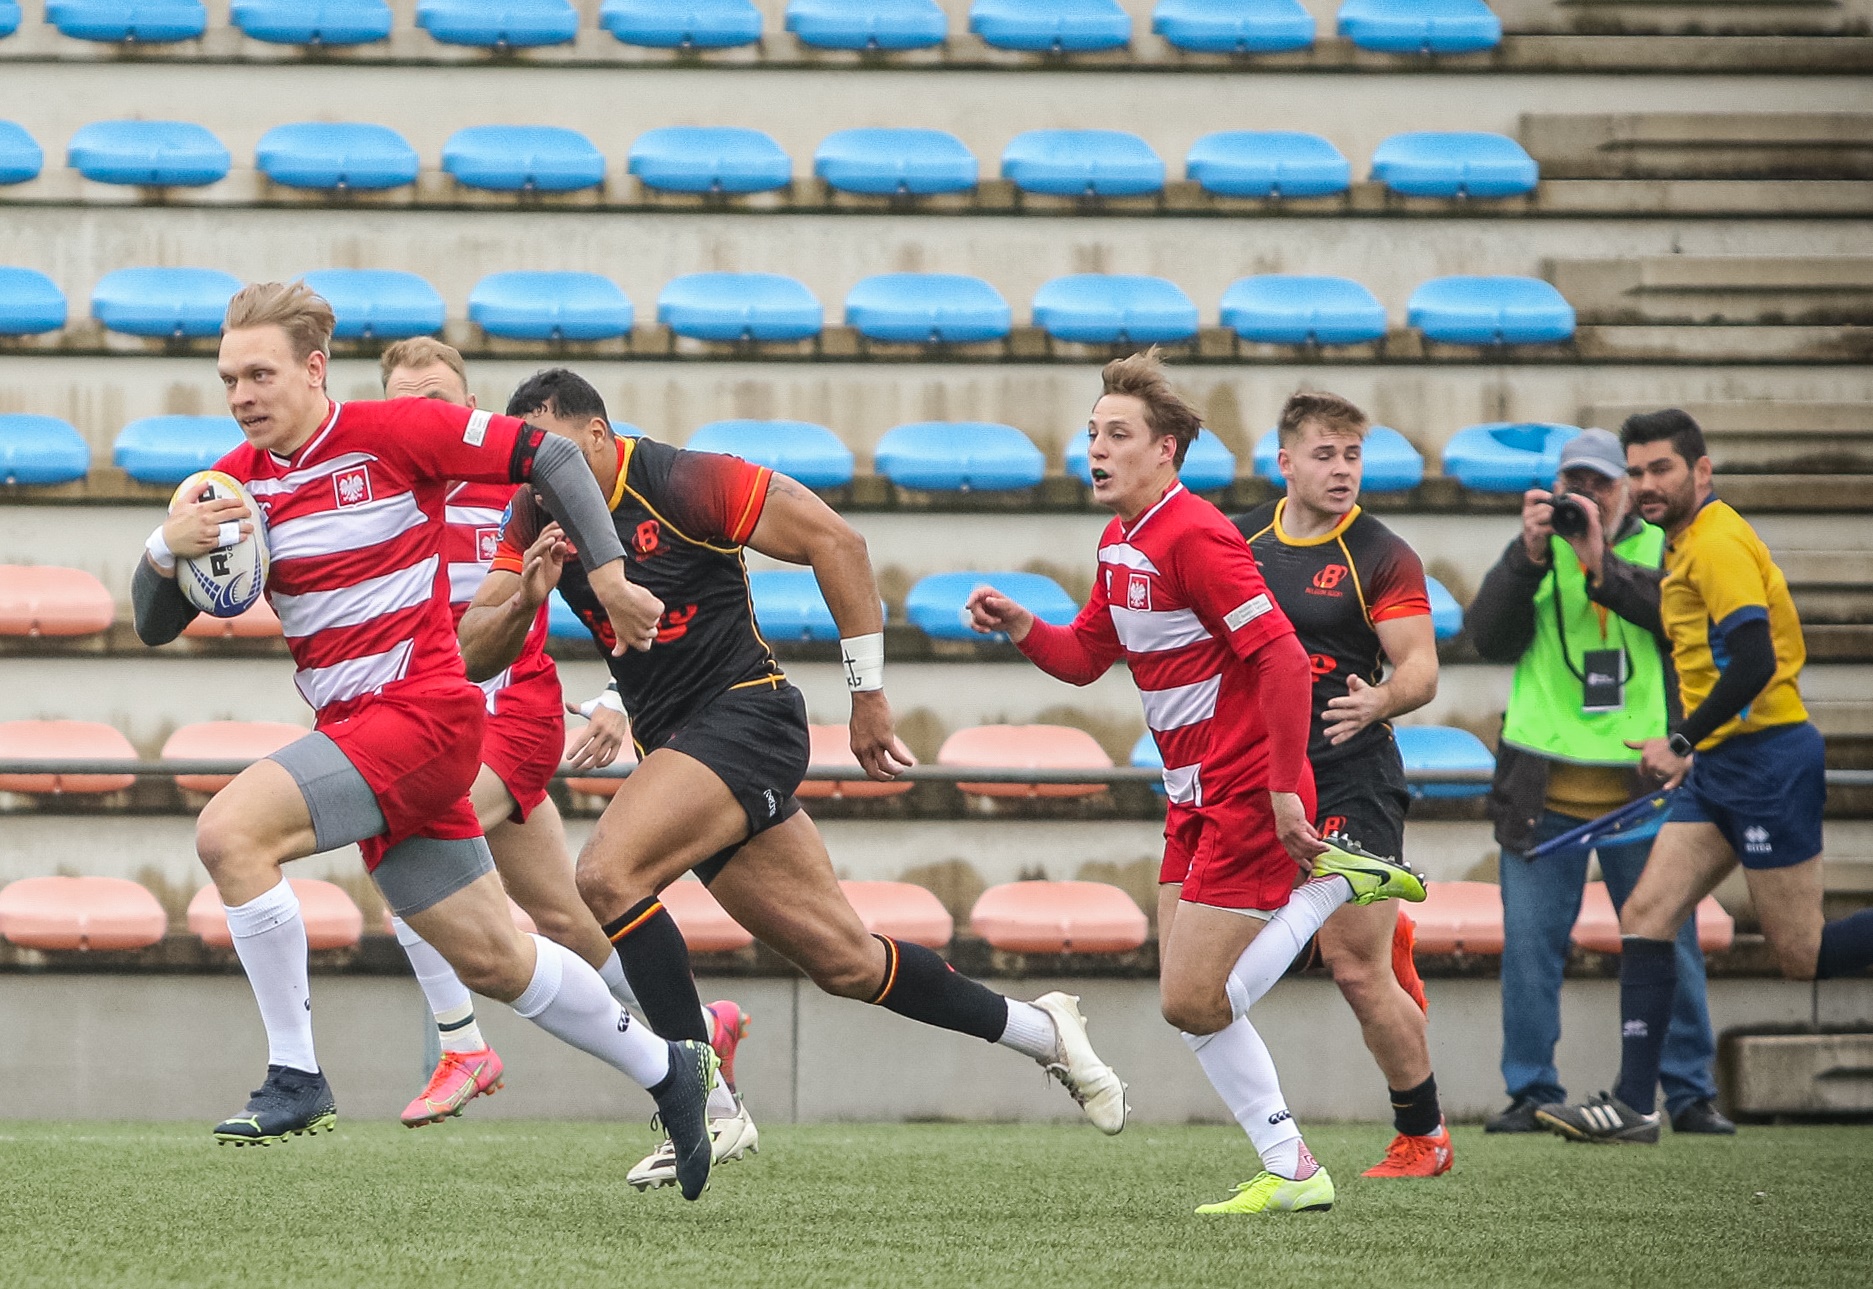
pixel 270 940
pixel 567 999
pixel 1243 1074
pixel 1273 949
pixel 448 998
pixel 612 973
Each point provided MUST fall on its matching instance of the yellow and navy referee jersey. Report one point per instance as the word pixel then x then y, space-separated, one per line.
pixel 1718 575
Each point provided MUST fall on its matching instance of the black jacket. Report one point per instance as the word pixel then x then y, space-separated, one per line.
pixel 1501 624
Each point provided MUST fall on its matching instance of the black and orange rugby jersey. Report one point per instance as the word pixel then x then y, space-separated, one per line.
pixel 1334 589
pixel 683 517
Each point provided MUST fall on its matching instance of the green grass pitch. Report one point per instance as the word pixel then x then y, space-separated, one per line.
pixel 497 1204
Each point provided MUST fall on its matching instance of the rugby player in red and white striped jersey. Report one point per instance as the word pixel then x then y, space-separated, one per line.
pixel 1227 696
pixel 353 498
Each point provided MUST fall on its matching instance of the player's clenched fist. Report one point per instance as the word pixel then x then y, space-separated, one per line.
pixel 633 610
pixel 197 527
pixel 989 610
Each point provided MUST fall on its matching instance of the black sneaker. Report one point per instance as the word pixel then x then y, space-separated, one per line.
pixel 1703 1117
pixel 1604 1119
pixel 683 1108
pixel 290 1103
pixel 1519 1117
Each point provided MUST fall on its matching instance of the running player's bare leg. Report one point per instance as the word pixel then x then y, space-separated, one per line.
pixel 1356 943
pixel 536 867
pixel 251 827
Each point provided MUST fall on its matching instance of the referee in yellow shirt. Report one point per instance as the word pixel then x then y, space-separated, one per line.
pixel 1747 763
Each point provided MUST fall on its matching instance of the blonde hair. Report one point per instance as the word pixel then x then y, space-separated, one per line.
pixel 1142 377
pixel 422 351
pixel 293 307
pixel 1329 411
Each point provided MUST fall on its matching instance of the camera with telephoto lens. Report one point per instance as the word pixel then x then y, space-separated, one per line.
pixel 1570 516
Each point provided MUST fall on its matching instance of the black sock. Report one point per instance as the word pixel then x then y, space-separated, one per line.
pixel 920 985
pixel 1846 946
pixel 656 962
pixel 1416 1112
pixel 1648 977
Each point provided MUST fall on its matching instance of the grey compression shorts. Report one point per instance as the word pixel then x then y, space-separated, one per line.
pixel 415 873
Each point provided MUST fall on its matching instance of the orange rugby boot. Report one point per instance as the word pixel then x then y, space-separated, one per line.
pixel 1416 1156
pixel 731 1026
pixel 1404 940
pixel 459 1078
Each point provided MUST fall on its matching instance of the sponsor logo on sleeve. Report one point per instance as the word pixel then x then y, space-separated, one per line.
pixel 476 431
pixel 1246 612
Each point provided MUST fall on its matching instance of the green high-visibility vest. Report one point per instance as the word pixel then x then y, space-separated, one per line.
pixel 1545 715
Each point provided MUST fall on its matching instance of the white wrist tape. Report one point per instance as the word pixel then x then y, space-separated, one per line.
pixel 160 554
pixel 228 534
pixel 863 657
pixel 609 699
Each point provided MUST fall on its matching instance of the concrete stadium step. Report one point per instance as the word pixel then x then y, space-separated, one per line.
pixel 1784 290
pixel 1771 142
pixel 1771 436
pixel 1683 17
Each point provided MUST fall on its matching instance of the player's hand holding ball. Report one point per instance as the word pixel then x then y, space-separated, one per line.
pixel 199 518
pixel 989 611
pixel 214 544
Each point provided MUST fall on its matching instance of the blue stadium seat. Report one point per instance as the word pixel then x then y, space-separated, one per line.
pixel 319 154
pixel 561 622
pixel 314 22
pixel 1296 309
pixel 1058 26
pixel 801 450
pixel 935 604
pixel 9 17
pixel 168 449
pixel 523 158
pixel 517 24
pixel 149 22
pixel 20 155
pixel 626 429
pixel 1420 26
pixel 1208 465
pixel 867 24
pixel 928 308
pixel 1446 613
pixel 1268 163
pixel 164 302
pixel 30 302
pixel 788 605
pixel 1491 311
pixel 1506 456
pixel 1145 754
pixel 1234 26
pixel 686 158
pixel 890 162
pixel 739 306
pixel 161 153
pixel 549 306
pixel 41 450
pixel 1077 163
pixel 1442 747
pixel 1114 308
pixel 682 24
pixel 1454 163
pixel 1389 462
pixel 959 456
pixel 378 304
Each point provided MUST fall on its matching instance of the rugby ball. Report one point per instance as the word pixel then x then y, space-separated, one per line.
pixel 226 582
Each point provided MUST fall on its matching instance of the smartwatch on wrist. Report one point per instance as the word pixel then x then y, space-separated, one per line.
pixel 1680 745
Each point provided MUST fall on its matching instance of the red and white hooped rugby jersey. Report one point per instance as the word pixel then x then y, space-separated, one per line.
pixel 355 525
pixel 474 513
pixel 1178 595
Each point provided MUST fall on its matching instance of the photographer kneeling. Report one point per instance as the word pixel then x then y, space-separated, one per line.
pixel 1574 604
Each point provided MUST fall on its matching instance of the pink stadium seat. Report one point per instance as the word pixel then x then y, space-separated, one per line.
pixel 258 623
pixel 80 913
pixel 1597 928
pixel 832 747
pixel 901 911
pixel 225 741
pixel 1459 917
pixel 332 920
pixel 1058 917
pixel 706 925
pixel 64 739
pixel 1026 747
pixel 37 600
pixel 627 755
pixel 522 919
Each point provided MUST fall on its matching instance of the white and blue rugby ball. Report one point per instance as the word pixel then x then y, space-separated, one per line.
pixel 226 582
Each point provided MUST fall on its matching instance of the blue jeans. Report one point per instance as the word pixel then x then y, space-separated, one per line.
pixel 1540 902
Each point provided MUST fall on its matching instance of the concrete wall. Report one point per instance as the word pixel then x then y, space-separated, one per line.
pixel 810 1058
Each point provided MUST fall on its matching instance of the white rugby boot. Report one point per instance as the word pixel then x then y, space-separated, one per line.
pixel 1087 1079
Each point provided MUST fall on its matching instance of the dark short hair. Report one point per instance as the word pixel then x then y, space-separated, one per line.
pixel 1142 377
pixel 560 392
pixel 1329 411
pixel 1687 438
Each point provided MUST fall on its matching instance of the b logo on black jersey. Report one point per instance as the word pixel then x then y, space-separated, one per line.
pixel 1329 577
pixel 647 539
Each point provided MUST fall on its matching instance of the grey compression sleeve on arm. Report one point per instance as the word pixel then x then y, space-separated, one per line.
pixel 572 496
pixel 157 603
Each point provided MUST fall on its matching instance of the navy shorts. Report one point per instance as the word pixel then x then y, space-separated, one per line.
pixel 1764 791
